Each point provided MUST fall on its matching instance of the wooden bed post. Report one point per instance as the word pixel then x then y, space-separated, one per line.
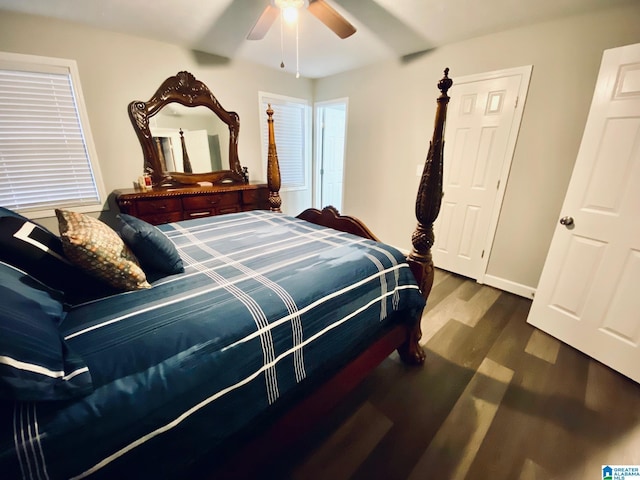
pixel 427 208
pixel 273 167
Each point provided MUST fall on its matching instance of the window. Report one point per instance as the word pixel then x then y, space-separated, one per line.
pixel 292 130
pixel 47 157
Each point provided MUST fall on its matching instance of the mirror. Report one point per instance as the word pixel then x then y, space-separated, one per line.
pixel 186 136
pixel 190 139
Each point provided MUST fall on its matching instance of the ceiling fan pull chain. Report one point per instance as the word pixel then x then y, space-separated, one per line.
pixel 281 42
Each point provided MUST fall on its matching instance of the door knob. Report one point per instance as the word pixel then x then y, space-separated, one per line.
pixel 566 221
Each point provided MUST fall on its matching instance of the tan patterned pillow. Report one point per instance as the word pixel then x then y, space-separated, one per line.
pixel 96 248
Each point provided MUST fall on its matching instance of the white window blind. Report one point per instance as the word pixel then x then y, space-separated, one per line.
pixel 290 129
pixel 44 156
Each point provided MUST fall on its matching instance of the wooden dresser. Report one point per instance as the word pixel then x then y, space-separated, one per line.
pixel 165 205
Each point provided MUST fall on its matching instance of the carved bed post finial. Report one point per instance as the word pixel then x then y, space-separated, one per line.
pixel 427 209
pixel 273 167
pixel 186 163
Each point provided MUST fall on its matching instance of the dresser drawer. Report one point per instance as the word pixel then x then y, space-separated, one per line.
pixel 228 209
pixel 161 218
pixel 257 197
pixel 190 214
pixel 209 202
pixel 159 206
pixel 153 206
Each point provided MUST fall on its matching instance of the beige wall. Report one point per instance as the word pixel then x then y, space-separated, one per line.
pixel 391 113
pixel 116 69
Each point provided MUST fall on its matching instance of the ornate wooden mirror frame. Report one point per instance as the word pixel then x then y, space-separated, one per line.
pixel 184 89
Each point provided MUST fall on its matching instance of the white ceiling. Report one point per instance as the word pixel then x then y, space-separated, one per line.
pixel 387 29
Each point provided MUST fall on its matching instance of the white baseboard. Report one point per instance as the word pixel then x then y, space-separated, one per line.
pixel 509 286
pixel 500 283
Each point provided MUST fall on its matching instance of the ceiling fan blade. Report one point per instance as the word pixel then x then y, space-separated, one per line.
pixel 401 38
pixel 228 32
pixel 331 18
pixel 263 24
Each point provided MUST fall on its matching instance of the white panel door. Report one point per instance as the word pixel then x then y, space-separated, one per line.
pixel 589 290
pixel 197 142
pixel 482 127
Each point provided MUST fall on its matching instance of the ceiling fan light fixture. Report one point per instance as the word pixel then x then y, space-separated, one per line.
pixel 318 8
pixel 289 9
pixel 290 15
pixel 283 4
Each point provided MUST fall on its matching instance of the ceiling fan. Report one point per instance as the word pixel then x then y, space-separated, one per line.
pixel 318 8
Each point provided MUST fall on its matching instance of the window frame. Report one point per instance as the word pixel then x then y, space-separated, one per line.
pixel 36 63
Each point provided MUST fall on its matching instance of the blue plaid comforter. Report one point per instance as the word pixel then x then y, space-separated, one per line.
pixel 266 302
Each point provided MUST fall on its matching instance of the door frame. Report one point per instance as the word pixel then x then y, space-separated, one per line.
pixel 317 147
pixel 525 73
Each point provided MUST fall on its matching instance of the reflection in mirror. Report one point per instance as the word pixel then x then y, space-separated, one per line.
pixel 190 139
pixel 207 149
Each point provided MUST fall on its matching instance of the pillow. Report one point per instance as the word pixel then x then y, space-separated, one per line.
pixel 95 247
pixel 35 250
pixel 35 362
pixel 6 212
pixel 152 247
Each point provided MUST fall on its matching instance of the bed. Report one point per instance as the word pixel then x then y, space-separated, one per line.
pixel 235 336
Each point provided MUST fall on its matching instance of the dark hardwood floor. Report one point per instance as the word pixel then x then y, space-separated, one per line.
pixel 496 399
